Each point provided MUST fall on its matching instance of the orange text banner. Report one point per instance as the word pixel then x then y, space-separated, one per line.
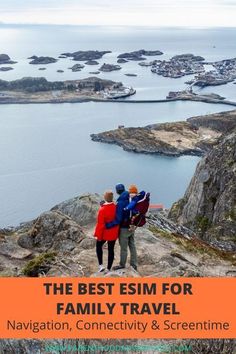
pixel 117 308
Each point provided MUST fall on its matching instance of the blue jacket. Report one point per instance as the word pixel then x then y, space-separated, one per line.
pixel 122 216
pixel 131 206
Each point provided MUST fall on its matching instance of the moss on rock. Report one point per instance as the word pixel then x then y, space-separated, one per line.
pixel 39 265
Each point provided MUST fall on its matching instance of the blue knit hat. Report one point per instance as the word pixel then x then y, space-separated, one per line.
pixel 120 188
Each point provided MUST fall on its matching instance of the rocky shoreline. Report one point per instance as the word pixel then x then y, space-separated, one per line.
pixel 196 136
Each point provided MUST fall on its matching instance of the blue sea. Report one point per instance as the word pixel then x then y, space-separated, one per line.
pixel 46 154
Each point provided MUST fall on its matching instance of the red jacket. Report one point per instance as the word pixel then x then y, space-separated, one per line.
pixel 106 213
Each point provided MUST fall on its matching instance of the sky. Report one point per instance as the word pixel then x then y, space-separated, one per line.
pixel 193 13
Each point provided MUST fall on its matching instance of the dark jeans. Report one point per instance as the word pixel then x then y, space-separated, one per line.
pixel 111 245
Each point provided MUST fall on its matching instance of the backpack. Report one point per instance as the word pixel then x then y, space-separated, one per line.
pixel 141 207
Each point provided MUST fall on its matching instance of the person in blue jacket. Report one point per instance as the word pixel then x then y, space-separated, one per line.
pixel 126 235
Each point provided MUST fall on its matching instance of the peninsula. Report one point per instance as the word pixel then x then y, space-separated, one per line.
pixel 196 136
pixel 39 90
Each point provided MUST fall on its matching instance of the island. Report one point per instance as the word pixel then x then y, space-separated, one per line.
pixel 6 68
pixel 109 67
pixel 138 55
pixel 196 136
pixel 189 95
pixel 77 67
pixel 40 90
pixel 150 63
pixel 178 66
pixel 91 62
pixel 86 55
pixel 5 59
pixel 122 61
pixel 41 60
pixel 188 57
pixel 222 72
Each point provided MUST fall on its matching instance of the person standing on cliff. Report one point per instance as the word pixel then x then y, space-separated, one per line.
pixel 126 235
pixel 106 213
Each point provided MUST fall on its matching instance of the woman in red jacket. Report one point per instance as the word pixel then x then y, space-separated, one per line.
pixel 106 213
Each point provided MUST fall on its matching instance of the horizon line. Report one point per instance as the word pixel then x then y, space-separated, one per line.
pixel 117 25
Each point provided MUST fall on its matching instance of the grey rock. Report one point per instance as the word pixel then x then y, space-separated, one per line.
pixel 204 176
pixel 223 122
pixel 88 243
pixel 209 204
pixel 55 231
pixel 82 209
pixel 12 250
pixel 25 241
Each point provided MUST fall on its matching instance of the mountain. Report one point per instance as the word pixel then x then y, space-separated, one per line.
pixel 209 204
pixel 196 239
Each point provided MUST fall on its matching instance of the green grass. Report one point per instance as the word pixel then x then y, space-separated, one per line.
pixel 203 223
pixel 39 265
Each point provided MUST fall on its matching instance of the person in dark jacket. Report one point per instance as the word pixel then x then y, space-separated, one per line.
pixel 126 235
pixel 106 213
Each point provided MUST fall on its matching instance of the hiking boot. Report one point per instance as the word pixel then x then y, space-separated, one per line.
pixel 135 268
pixel 118 267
